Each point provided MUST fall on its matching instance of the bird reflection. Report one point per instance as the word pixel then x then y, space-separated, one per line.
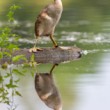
pixel 47 90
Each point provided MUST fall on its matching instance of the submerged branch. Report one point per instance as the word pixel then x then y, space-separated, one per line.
pixel 47 55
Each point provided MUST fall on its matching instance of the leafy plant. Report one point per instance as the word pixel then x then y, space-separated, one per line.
pixel 9 81
pixel 9 74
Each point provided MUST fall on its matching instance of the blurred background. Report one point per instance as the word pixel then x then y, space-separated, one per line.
pixel 79 15
pixel 84 84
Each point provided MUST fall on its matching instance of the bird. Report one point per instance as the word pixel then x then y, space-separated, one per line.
pixel 46 22
pixel 47 90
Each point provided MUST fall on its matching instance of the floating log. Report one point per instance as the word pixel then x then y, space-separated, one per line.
pixel 47 55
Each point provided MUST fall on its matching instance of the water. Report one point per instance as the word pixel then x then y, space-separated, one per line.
pixel 84 84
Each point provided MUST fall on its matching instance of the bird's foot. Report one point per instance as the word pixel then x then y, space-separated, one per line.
pixel 35 49
pixel 56 46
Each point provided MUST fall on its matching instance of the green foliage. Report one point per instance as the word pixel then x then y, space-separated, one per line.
pixel 9 79
pixel 1 55
pixel 17 72
pixel 9 75
pixel 4 36
pixel 17 93
pixel 19 57
pixel 1 79
pixel 11 12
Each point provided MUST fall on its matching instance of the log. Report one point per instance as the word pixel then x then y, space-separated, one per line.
pixel 47 55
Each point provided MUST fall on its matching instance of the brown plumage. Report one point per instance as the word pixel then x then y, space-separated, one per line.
pixel 48 19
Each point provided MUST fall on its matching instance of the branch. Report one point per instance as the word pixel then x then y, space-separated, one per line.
pixel 47 55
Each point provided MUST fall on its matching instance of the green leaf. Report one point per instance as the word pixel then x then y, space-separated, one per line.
pixel 12 46
pixel 16 71
pixel 16 81
pixel 9 86
pixel 19 94
pixel 6 30
pixel 1 55
pixel 1 79
pixel 32 73
pixel 18 58
pixel 1 90
pixel 7 75
pixel 7 102
pixel 10 14
pixel 14 7
pixel 26 66
pixel 7 54
pixel 32 58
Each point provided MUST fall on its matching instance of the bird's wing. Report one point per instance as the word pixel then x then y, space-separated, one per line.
pixel 43 16
pixel 47 10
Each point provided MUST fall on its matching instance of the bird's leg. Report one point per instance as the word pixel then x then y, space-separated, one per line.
pixel 52 39
pixel 53 68
pixel 35 48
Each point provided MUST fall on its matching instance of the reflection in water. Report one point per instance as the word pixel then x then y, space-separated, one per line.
pixel 47 91
pixel 85 90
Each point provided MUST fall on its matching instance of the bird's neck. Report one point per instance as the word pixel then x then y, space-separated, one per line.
pixel 58 1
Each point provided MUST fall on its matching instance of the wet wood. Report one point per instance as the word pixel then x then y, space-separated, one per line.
pixel 47 55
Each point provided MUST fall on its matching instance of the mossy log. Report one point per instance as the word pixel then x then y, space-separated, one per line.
pixel 47 55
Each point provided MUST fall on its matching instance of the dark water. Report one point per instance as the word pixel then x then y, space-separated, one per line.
pixel 83 84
